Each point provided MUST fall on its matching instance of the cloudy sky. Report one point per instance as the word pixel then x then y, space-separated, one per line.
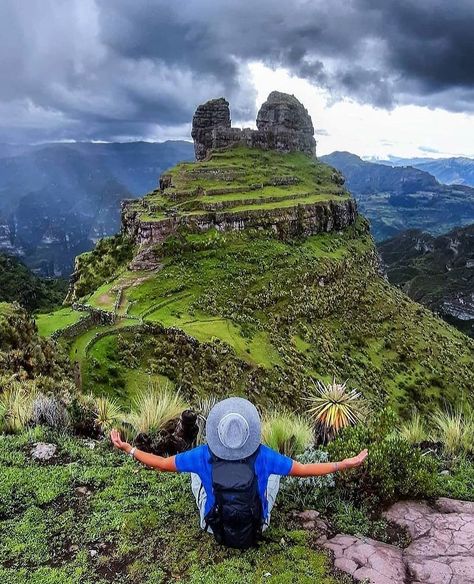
pixel 379 77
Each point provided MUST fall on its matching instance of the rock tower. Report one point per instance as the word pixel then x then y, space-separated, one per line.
pixel 283 124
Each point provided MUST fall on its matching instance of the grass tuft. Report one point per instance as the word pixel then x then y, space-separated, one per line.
pixel 154 407
pixel 287 433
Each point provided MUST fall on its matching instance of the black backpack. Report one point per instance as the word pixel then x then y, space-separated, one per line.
pixel 236 516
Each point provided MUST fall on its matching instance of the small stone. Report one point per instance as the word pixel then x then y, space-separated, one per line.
pixel 308 515
pixel 267 575
pixel 93 553
pixel 73 548
pixel 83 491
pixel 43 451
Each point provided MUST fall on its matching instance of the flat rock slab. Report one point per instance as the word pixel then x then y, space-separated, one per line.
pixel 442 550
pixel 368 559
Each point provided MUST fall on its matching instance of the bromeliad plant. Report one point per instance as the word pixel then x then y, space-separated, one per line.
pixel 333 407
pixel 108 413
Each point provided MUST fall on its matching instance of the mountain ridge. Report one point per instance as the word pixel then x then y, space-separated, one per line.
pixel 435 271
pixel 395 199
pixel 58 199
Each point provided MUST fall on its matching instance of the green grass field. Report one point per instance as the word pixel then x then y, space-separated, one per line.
pixel 54 321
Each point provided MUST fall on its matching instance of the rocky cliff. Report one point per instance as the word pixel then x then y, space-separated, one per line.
pixel 435 271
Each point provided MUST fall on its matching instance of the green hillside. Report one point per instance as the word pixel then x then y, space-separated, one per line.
pixel 254 313
pixel 19 284
pixel 287 293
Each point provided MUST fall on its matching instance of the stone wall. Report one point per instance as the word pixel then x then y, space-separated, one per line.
pixel 283 124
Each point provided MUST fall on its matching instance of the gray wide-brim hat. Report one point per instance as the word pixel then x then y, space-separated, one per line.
pixel 233 429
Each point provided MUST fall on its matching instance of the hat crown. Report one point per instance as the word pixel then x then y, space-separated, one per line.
pixel 233 430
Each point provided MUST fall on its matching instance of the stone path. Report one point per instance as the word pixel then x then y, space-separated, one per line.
pixel 441 552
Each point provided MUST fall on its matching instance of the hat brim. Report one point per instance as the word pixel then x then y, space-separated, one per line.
pixel 247 410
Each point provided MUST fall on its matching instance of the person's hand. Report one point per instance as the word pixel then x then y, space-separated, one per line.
pixel 118 442
pixel 355 460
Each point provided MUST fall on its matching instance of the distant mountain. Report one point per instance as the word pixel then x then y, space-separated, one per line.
pixel 459 170
pixel 57 200
pixel 436 271
pixel 399 198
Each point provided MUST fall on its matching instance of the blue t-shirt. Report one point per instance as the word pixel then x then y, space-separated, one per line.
pixel 268 461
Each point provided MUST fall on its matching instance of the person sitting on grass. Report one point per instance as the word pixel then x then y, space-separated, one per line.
pixel 235 478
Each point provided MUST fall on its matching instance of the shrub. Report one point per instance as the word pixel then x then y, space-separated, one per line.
pixel 304 493
pixel 455 430
pixel 16 406
pixel 154 407
pixel 413 431
pixel 83 415
pixel 49 411
pixel 334 407
pixel 287 433
pixel 394 468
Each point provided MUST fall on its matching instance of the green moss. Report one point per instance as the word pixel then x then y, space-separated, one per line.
pixel 141 525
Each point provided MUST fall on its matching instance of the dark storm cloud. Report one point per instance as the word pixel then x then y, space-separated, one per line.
pixel 137 68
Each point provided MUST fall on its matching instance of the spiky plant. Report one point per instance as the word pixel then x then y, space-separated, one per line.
pixel 154 407
pixel 454 429
pixel 413 430
pixel 287 432
pixel 108 413
pixel 16 407
pixel 334 406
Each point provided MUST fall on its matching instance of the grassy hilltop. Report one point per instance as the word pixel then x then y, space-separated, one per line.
pixel 249 312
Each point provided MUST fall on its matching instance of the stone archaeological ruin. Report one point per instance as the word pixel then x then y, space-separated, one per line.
pixel 264 178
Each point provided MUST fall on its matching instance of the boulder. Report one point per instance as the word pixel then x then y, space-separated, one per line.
pixel 43 451
pixel 209 116
pixel 283 116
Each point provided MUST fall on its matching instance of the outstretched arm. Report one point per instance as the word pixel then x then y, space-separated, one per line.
pixel 159 462
pixel 323 468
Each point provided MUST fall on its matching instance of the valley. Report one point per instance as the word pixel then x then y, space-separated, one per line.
pixel 395 199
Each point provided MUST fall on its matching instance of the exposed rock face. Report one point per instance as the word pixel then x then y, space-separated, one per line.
pixel 442 550
pixel 367 559
pixel 288 120
pixel 283 124
pixel 209 117
pixel 300 220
